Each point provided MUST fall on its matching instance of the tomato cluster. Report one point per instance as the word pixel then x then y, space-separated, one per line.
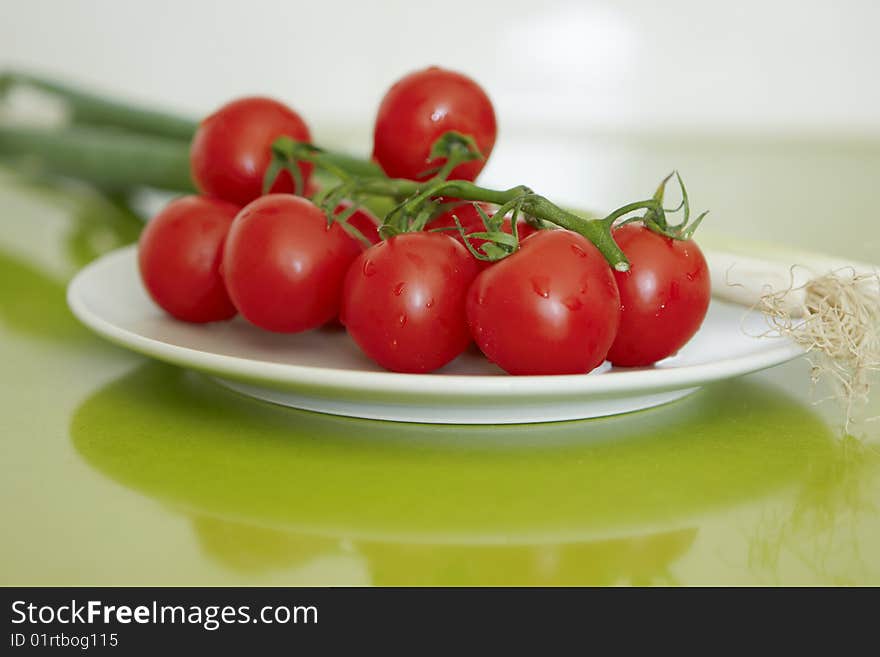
pixel 414 301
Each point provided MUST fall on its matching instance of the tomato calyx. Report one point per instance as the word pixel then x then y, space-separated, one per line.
pixel 287 153
pixel 498 244
pixel 655 215
pixel 415 211
pixel 454 148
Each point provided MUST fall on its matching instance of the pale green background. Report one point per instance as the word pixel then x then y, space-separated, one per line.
pixel 118 470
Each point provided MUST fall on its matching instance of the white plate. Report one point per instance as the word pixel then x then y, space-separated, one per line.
pixel 324 371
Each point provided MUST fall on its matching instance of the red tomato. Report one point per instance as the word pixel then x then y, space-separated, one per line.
pixel 364 220
pixel 404 301
pixel 179 257
pixel 231 149
pixel 283 266
pixel 422 106
pixel 663 297
pixel 470 220
pixel 550 308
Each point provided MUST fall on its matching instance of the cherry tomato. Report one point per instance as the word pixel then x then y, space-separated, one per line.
pixel 404 301
pixel 470 220
pixel 283 266
pixel 422 106
pixel 663 297
pixel 550 308
pixel 179 257
pixel 231 149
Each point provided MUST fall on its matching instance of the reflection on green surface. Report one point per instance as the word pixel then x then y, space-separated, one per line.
pixel 820 530
pixel 32 295
pixel 253 549
pixel 215 453
pixel 641 560
pixel 822 527
pixel 99 226
pixel 33 303
pixel 603 500
pixel 94 223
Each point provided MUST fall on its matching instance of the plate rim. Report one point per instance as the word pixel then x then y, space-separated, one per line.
pixel 441 385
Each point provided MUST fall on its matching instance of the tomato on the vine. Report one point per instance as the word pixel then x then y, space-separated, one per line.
pixel 284 266
pixel 404 299
pixel 663 297
pixel 179 257
pixel 231 149
pixel 418 109
pixel 552 307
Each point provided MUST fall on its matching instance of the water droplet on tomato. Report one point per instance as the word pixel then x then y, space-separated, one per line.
pixel 402 321
pixel 430 303
pixel 541 286
pixel 394 343
pixel 369 268
pixel 572 303
pixel 578 251
pixel 398 289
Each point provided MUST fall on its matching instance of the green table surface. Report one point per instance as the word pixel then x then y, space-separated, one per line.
pixel 118 470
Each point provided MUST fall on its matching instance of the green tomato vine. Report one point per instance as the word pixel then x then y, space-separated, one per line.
pixel 418 202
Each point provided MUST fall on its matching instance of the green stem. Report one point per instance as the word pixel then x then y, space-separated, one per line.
pixel 93 109
pixel 108 158
pixel 598 231
pixel 650 204
pixel 116 159
pixel 446 169
pixel 354 166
